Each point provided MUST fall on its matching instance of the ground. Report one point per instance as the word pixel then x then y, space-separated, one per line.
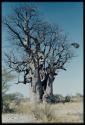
pixel 71 112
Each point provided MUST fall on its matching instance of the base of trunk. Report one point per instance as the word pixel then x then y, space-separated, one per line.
pixel 36 96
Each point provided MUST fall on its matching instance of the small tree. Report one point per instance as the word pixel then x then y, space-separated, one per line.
pixel 67 99
pixel 6 77
pixel 44 49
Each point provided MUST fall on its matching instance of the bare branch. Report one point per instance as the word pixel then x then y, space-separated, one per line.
pixel 45 45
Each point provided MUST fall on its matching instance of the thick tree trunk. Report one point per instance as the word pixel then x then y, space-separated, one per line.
pixel 49 90
pixel 40 92
pixel 37 90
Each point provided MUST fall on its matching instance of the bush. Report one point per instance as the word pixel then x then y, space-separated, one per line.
pixel 8 99
pixel 6 108
pixel 51 99
pixel 67 99
pixel 58 98
pixel 44 113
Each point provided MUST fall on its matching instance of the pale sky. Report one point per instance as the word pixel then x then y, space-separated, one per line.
pixel 69 16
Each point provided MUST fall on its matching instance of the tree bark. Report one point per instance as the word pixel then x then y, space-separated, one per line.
pixel 37 88
pixel 49 90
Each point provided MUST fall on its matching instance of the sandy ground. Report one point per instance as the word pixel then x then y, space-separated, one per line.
pixel 70 115
pixel 17 118
pixel 65 112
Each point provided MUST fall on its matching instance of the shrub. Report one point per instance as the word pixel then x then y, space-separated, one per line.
pixel 8 99
pixel 44 113
pixel 67 99
pixel 6 108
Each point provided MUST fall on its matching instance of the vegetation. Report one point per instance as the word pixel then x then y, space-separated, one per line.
pixel 51 113
pixel 67 99
pixel 8 98
pixel 43 50
pixel 6 77
pixel 46 112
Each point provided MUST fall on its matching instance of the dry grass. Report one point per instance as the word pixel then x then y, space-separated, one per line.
pixel 69 112
pixel 44 113
pixel 24 108
pixel 53 113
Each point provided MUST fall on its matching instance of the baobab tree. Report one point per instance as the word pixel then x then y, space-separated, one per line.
pixel 45 48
